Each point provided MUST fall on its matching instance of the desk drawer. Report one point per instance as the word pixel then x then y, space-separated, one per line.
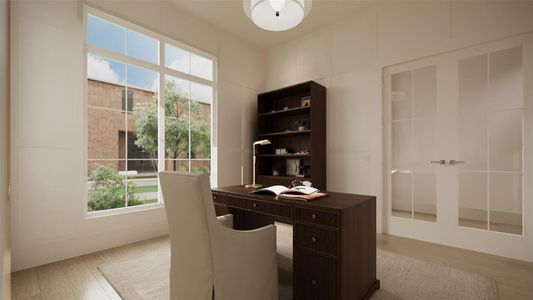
pixel 315 276
pixel 316 217
pixel 221 210
pixel 220 198
pixel 319 239
pixel 278 210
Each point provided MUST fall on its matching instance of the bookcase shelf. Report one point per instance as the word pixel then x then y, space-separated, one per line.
pixel 284 155
pixel 288 132
pixel 281 127
pixel 290 111
pixel 268 180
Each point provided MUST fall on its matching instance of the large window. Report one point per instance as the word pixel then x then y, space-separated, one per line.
pixel 149 109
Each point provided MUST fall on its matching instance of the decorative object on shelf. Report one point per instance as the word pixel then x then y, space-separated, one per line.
pixel 281 151
pixel 276 169
pixel 306 101
pixel 293 167
pixel 286 108
pixel 277 15
pixel 261 143
pixel 301 124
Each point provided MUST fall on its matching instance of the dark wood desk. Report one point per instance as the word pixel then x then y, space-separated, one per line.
pixel 334 240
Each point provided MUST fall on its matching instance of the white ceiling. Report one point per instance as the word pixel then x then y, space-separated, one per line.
pixel 229 15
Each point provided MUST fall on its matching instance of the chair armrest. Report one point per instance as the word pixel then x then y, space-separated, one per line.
pixel 245 256
pixel 226 220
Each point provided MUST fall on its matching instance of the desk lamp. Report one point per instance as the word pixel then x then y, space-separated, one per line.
pixel 261 143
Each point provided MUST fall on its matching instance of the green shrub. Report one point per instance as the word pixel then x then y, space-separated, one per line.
pixel 107 190
pixel 205 170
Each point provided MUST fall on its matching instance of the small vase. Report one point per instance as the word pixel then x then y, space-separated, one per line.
pixel 301 128
pixel 275 173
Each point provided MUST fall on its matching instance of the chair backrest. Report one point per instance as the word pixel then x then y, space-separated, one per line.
pixel 191 270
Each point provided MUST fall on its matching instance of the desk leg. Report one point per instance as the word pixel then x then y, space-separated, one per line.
pixel 373 288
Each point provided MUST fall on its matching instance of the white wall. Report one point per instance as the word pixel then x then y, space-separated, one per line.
pixel 348 58
pixel 5 260
pixel 48 133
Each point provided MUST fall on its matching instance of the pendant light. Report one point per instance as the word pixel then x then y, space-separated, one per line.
pixel 277 15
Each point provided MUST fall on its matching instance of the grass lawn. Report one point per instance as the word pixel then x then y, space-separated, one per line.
pixel 151 176
pixel 145 189
pixel 150 201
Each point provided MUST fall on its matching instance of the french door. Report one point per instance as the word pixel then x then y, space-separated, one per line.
pixel 459 148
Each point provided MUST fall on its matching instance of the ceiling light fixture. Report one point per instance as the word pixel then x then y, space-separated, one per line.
pixel 277 15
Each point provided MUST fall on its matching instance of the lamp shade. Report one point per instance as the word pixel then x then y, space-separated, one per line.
pixel 277 15
pixel 262 142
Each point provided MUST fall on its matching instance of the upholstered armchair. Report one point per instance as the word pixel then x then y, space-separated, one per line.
pixel 209 259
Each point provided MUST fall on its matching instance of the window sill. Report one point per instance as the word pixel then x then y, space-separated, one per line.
pixel 122 210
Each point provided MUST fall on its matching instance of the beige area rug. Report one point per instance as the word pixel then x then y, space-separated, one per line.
pixel 145 276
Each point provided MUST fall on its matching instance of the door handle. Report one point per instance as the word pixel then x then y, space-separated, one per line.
pixel 442 162
pixel 455 162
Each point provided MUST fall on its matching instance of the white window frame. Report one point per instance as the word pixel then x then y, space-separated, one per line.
pixel 162 70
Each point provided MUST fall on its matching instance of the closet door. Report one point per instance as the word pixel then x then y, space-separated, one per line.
pixel 458 136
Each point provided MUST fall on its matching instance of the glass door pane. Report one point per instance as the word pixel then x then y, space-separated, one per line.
pixel 506 140
pixel 413 177
pixel 424 151
pixel 473 175
pixel 401 175
pixel 491 141
pixel 402 194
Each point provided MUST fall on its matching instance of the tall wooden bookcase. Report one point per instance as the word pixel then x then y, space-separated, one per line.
pixel 280 114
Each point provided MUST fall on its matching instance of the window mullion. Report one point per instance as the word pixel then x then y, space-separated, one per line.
pixel 189 77
pixel 189 115
pixel 123 58
pixel 161 120
pixel 161 117
pixel 126 134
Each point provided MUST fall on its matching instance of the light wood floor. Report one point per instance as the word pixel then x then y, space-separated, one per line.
pixel 78 278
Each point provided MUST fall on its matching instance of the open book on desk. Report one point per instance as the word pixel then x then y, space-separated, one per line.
pixel 302 193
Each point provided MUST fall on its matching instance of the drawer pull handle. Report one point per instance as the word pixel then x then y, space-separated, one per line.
pixel 254 205
pixel 313 282
pixel 313 239
pixel 214 197
pixel 313 216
